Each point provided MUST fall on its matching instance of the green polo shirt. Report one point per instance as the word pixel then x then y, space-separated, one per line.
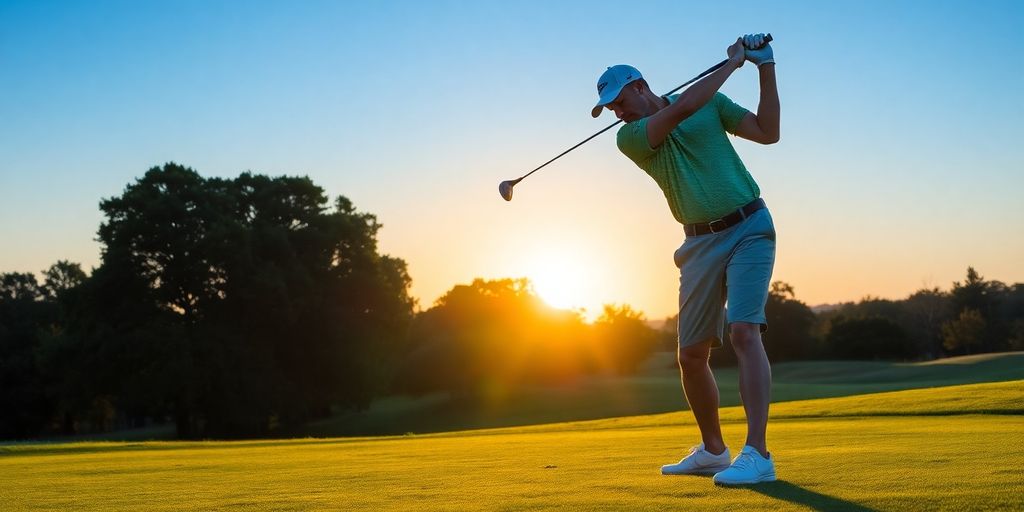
pixel 696 166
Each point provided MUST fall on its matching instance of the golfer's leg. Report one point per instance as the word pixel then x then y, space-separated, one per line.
pixel 747 276
pixel 702 393
pixel 755 381
pixel 701 327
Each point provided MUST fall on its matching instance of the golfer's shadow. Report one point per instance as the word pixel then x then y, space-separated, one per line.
pixel 782 490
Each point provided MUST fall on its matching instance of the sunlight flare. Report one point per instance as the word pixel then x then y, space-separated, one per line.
pixel 560 278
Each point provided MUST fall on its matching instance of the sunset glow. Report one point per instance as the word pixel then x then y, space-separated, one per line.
pixel 589 229
pixel 560 278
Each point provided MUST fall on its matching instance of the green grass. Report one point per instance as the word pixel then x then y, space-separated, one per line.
pixel 951 448
pixel 657 389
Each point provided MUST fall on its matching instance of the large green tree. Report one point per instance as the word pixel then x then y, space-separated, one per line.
pixel 241 306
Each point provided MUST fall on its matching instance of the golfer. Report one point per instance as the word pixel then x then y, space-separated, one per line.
pixel 729 249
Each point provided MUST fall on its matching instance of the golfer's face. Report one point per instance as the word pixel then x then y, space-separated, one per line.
pixel 627 105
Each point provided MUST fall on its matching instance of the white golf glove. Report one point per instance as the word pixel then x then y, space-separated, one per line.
pixel 755 53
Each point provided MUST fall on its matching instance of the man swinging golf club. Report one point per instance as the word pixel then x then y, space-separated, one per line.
pixel 729 249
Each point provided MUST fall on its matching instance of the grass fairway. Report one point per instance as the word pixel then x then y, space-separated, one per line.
pixel 952 448
pixel 657 390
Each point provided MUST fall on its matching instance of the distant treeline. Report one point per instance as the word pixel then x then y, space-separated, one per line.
pixel 484 340
pixel 975 316
pixel 249 306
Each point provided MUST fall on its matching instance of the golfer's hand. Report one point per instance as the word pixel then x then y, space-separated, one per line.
pixel 757 50
pixel 736 53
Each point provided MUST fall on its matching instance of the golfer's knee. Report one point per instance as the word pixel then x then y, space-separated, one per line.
pixel 694 357
pixel 745 336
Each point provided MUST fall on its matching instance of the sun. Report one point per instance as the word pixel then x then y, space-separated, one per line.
pixel 559 278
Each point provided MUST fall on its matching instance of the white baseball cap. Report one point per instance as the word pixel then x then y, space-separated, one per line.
pixel 611 83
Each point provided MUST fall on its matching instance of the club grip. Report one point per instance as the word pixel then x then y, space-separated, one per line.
pixel 767 39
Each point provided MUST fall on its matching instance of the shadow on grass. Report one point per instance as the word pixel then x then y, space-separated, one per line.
pixel 786 491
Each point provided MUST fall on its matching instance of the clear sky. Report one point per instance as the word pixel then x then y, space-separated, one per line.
pixel 901 160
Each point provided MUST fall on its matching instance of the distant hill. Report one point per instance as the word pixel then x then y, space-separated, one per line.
pixel 656 324
pixel 824 308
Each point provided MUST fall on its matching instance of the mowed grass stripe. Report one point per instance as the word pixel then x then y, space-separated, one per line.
pixel 657 390
pixel 989 398
pixel 921 462
pixel 892 463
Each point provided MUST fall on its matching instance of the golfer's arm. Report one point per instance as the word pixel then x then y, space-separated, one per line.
pixel 691 100
pixel 764 127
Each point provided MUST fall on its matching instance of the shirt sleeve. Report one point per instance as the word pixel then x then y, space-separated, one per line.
pixel 632 141
pixel 729 112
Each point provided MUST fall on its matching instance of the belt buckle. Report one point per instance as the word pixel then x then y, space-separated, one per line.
pixel 711 225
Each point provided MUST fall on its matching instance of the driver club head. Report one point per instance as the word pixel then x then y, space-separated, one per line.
pixel 505 189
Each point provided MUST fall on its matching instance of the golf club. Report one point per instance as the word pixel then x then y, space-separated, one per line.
pixel 505 188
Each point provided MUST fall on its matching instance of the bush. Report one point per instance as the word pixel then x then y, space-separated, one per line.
pixel 870 338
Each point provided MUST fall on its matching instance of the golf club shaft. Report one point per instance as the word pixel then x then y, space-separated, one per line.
pixel 710 70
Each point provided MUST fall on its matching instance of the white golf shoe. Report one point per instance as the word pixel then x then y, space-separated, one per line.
pixel 748 468
pixel 698 462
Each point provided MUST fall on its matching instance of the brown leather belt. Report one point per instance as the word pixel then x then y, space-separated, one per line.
pixel 730 220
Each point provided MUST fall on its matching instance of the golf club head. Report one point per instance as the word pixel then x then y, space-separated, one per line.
pixel 505 189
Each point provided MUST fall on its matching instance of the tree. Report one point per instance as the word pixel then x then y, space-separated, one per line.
pixel 62 277
pixel 32 316
pixel 982 296
pixel 1013 314
pixel 965 332
pixel 622 335
pixel 1016 341
pixel 789 325
pixel 973 293
pixel 24 313
pixel 871 338
pixel 484 340
pixel 242 307
pixel 23 287
pixel 927 310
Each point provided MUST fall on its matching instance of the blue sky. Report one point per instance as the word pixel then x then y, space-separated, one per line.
pixel 900 162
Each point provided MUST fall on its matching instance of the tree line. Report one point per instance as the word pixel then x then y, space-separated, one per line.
pixel 974 316
pixel 250 306
pixel 484 340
